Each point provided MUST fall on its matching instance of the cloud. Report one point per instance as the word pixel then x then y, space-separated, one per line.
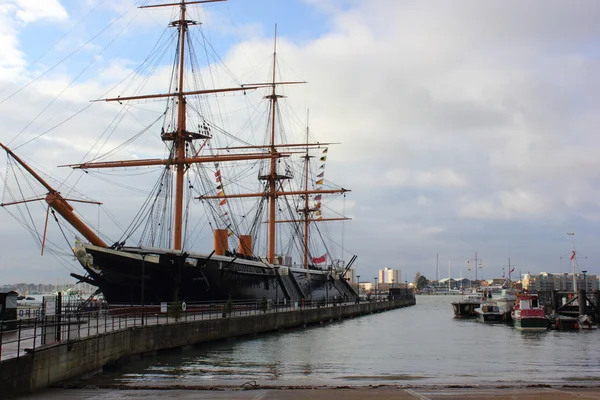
pixel 460 122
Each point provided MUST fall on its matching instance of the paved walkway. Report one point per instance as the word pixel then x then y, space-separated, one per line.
pixel 322 393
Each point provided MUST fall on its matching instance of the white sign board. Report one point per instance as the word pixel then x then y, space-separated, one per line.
pixel 163 307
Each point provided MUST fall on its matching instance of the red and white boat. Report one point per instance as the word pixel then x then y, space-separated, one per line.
pixel 528 314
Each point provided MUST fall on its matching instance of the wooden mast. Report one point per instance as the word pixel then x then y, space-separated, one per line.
pixel 179 142
pixel 305 211
pixel 273 173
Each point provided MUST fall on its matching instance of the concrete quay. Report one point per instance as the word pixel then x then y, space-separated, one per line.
pixel 329 393
pixel 51 364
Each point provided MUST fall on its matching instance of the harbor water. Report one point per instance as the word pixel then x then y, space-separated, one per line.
pixel 415 346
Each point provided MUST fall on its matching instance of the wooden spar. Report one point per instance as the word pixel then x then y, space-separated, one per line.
pixel 317 145
pixel 177 94
pixel 59 204
pixel 185 161
pixel 181 3
pixel 289 221
pixel 43 198
pixel 277 194
pixel 45 229
pixel 273 175
pixel 267 84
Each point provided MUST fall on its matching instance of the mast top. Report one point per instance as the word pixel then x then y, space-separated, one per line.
pixel 181 3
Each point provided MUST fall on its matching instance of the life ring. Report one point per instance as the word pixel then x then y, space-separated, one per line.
pixel 183 306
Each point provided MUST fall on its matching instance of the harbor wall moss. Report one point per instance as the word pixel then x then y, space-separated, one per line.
pixel 58 362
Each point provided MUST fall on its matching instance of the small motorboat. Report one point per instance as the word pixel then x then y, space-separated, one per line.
pixel 489 312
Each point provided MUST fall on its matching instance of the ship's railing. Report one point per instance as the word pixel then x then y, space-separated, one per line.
pixel 25 335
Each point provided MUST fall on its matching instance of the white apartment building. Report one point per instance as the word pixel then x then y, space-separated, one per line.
pixel 389 276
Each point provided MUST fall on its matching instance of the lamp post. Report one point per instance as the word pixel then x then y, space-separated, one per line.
pixel 376 289
pixel 358 286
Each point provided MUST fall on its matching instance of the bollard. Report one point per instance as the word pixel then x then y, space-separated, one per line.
pixel 582 301
pixel 597 302
pixel 555 303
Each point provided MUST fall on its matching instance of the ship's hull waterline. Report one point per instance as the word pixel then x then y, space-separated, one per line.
pixel 190 277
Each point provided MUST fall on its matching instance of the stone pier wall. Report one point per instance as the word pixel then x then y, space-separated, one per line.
pixel 55 363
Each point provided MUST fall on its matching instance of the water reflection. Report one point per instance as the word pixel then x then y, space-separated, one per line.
pixel 420 345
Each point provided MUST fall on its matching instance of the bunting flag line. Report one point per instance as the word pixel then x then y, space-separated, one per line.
pixel 324 158
pixel 318 205
pixel 511 271
pixel 322 166
pixel 321 174
pixel 218 179
pixel 218 173
pixel 319 182
pixel 230 234
pixel 221 194
pixel 219 187
pixel 318 212
pixel 325 150
pixel 572 255
pixel 317 197
pixel 319 260
pixel 223 202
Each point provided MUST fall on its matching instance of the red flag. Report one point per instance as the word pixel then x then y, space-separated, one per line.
pixel 222 202
pixel 320 260
pixel 511 271
pixel 572 255
pixel 218 173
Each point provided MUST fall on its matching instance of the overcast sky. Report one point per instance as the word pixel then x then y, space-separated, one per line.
pixel 466 126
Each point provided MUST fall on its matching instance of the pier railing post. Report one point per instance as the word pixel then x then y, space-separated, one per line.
pixel 19 339
pixel 34 332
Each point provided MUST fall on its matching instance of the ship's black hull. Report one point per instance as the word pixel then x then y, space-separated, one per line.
pixel 168 276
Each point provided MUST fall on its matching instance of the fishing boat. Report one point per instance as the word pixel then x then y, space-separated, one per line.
pixel 489 312
pixel 263 202
pixel 528 314
pixel 465 307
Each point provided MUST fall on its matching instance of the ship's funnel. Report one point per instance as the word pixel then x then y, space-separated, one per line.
pixel 221 239
pixel 245 246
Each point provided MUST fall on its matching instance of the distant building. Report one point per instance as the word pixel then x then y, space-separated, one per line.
pixel 351 276
pixel 545 281
pixel 389 276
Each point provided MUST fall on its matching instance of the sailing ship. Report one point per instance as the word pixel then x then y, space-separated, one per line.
pixel 161 266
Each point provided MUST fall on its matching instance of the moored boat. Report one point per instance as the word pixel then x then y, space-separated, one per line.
pixel 465 308
pixel 528 314
pixel 489 312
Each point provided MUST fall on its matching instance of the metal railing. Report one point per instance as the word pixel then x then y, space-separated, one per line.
pixel 25 335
